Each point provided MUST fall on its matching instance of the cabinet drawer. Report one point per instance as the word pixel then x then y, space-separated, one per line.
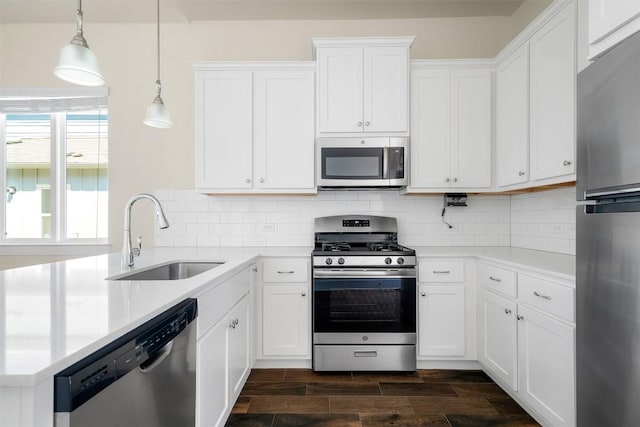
pixel 215 303
pixel 551 297
pixel 285 271
pixel 441 271
pixel 498 279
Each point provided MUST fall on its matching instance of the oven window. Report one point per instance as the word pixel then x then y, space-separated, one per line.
pixel 352 163
pixel 364 305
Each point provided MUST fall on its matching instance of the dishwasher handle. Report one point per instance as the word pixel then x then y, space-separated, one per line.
pixel 151 363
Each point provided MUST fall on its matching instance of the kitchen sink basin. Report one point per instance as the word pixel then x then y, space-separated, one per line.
pixel 170 271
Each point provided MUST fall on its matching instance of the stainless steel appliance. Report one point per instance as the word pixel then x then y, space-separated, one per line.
pixel 608 240
pixel 145 378
pixel 364 296
pixel 362 162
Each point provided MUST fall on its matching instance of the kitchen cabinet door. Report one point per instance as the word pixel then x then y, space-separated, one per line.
pixel 224 129
pixel 512 118
pixel 471 128
pixel 553 97
pixel 497 337
pixel 386 89
pixel 284 130
pixel 212 391
pixel 441 318
pixel 546 365
pixel 286 329
pixel 610 22
pixel 430 128
pixel 239 331
pixel 340 86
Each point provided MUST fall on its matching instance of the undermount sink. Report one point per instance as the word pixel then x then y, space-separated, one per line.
pixel 176 270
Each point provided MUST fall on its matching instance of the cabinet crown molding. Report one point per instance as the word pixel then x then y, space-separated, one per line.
pixel 253 65
pixel 363 41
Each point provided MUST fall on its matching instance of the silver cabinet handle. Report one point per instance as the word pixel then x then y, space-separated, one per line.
pixel 303 293
pixel 441 271
pixel 520 317
pixel 507 311
pixel 447 180
pixel 424 294
pixel 285 272
pixel 495 279
pixel 359 124
pixel 539 295
pixel 455 179
pixel 261 179
pixel 566 162
pixel 367 123
pixel 520 173
pixel 248 180
pixel 365 354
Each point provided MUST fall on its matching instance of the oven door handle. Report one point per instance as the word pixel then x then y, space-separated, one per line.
pixel 365 274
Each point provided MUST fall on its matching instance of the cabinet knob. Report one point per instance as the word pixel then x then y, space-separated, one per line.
pixel 261 179
pixel 367 123
pixel 566 162
pixel 507 311
pixel 521 173
pixel 447 180
pixel 248 180
pixel 520 317
pixel 455 179
pixel 424 294
pixel 359 124
pixel 303 293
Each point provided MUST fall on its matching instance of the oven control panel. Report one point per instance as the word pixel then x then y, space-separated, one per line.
pixel 364 261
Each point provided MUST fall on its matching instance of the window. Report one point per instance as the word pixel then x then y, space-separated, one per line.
pixel 54 166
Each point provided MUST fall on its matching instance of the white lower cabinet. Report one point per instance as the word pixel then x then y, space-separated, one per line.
pixel 285 320
pixel 223 351
pixel 526 347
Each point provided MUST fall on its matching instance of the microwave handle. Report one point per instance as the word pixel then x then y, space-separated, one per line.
pixel 385 162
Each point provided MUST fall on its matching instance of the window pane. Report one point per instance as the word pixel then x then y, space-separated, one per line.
pixel 28 205
pixel 87 166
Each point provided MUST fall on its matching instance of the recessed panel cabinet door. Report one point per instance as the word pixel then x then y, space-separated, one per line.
pixel 441 320
pixel 430 128
pixel 212 393
pixel 497 340
pixel 283 129
pixel 239 347
pixel 224 140
pixel 340 90
pixel 553 97
pixel 285 320
pixel 512 118
pixel 386 87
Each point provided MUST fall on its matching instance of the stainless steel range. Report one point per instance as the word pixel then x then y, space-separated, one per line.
pixel 364 296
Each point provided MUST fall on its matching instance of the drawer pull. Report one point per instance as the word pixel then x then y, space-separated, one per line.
pixel 285 272
pixel 441 271
pixel 495 279
pixel 365 354
pixel 539 295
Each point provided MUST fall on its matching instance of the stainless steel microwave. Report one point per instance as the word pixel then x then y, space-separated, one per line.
pixel 362 162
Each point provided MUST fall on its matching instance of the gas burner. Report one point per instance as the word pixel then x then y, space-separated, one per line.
pixel 336 247
pixel 384 247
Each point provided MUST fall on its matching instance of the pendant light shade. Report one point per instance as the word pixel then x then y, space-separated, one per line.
pixel 157 113
pixel 77 64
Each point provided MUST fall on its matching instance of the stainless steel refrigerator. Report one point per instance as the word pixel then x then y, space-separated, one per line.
pixel 608 240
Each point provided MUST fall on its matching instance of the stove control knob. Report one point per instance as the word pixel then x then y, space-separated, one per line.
pixel 388 260
pixel 329 261
pixel 340 261
pixel 400 260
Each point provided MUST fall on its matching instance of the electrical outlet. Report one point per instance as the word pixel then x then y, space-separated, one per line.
pixel 268 228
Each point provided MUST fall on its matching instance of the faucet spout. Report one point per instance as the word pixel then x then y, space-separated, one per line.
pixel 128 253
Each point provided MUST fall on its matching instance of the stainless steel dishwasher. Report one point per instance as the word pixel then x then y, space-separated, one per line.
pixel 147 378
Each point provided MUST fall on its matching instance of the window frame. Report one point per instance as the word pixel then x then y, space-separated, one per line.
pixel 58 165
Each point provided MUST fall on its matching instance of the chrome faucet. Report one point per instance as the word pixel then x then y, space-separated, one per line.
pixel 128 253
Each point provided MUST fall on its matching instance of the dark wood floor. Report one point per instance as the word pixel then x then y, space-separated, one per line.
pixel 301 397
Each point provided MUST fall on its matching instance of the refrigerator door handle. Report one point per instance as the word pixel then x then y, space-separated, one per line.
pixel 619 190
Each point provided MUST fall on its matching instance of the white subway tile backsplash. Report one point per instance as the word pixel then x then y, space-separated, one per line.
pixel 544 221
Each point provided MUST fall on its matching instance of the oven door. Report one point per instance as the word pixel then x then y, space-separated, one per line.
pixel 364 305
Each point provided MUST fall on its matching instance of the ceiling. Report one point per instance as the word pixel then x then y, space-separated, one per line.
pixel 16 11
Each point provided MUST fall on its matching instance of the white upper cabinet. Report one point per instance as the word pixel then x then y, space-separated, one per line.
pixel 553 97
pixel 451 127
pixel 363 85
pixel 610 22
pixel 512 118
pixel 254 128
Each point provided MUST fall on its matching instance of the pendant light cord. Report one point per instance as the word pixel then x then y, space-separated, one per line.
pixel 158 45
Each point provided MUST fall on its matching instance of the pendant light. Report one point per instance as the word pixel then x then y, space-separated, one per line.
pixel 77 64
pixel 157 113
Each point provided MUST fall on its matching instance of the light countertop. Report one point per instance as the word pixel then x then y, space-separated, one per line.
pixel 55 314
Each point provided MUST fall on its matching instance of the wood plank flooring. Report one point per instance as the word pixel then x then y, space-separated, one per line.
pixel 301 397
